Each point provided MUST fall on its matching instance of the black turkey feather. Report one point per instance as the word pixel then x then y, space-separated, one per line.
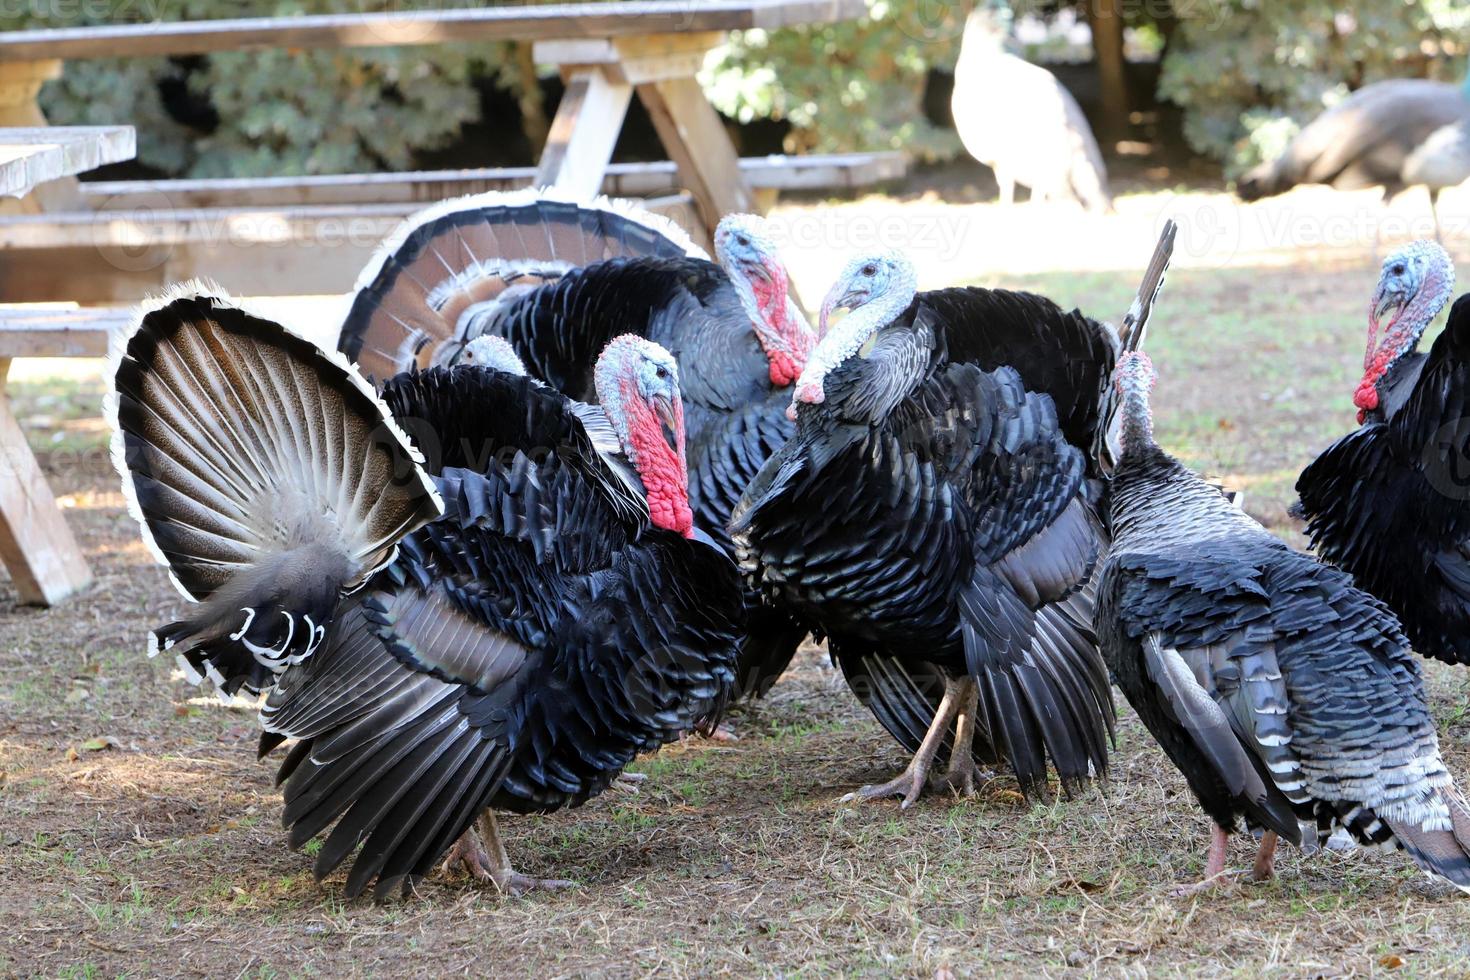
pixel 558 279
pixel 1390 501
pixel 933 519
pixel 1285 695
pixel 551 611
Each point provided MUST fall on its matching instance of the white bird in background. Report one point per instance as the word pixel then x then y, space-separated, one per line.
pixel 1017 119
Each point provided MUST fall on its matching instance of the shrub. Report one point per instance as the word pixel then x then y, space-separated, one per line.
pixel 268 112
pixel 855 85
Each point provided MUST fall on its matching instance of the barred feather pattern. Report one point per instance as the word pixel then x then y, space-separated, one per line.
pixel 1282 692
pixel 447 271
pixel 517 654
pixel 265 473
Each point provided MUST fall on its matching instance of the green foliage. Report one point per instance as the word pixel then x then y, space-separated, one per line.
pixel 1249 73
pixel 855 85
pixel 848 86
pixel 280 112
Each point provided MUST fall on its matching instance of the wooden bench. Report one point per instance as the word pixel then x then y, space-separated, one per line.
pixel 36 545
pixel 288 236
pixel 605 51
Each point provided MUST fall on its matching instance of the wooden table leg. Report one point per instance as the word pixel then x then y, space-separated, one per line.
pixel 584 132
pixel 695 137
pixel 36 545
pixel 20 82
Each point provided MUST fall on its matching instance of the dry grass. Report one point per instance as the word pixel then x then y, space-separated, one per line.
pixel 163 854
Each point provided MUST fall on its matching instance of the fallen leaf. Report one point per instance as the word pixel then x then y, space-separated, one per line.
pixel 100 743
pixel 1391 961
pixel 71 753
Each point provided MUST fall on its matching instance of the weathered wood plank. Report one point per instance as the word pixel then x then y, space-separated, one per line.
pixel 500 23
pixel 120 256
pixel 781 173
pixel 34 155
pixel 691 131
pixel 633 59
pixel 584 131
pixel 59 333
pixel 35 543
pixel 19 84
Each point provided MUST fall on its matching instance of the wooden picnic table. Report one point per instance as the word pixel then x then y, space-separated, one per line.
pixel 36 545
pixel 605 51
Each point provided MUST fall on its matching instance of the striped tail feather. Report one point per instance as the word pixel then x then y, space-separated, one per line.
pixel 1439 845
pixel 264 472
pixel 440 277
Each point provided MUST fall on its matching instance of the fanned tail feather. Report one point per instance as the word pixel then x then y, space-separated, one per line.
pixel 264 472
pixel 439 280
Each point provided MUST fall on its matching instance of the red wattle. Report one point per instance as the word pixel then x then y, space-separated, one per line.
pixel 664 472
pixel 784 369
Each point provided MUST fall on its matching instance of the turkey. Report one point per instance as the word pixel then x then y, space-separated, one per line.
pixel 1283 694
pixel 1018 120
pixel 501 623
pixel 1404 132
pixel 931 518
pixel 1390 501
pixel 560 278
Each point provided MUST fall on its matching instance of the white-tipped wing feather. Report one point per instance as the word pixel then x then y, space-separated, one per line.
pixel 264 472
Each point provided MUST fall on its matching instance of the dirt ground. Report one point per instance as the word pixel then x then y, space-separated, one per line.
pixel 140 837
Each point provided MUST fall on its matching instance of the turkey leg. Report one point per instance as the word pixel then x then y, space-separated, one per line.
pixel 1264 868
pixel 963 776
pixel 1214 864
pixel 481 853
pixel 910 783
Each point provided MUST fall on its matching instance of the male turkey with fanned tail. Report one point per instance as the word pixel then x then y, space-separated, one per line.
pixel 932 518
pixel 560 277
pixel 502 624
pixel 1284 694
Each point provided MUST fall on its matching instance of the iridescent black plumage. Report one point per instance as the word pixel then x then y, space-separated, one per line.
pixel 519 651
pixel 1067 356
pixel 599 636
pixel 1390 501
pixel 931 518
pixel 559 280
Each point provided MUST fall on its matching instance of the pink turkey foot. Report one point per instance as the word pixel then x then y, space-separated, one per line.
pixel 1215 875
pixel 468 855
pixel 724 732
pixel 628 782
pixel 481 853
pixel 910 784
pixel 963 777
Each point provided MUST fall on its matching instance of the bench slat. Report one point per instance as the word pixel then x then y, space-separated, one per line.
pixel 782 173
pixel 59 333
pixel 35 155
pixel 501 23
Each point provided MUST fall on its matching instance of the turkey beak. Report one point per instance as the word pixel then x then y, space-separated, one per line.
pixel 848 298
pixel 1384 301
pixel 757 270
pixel 663 410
